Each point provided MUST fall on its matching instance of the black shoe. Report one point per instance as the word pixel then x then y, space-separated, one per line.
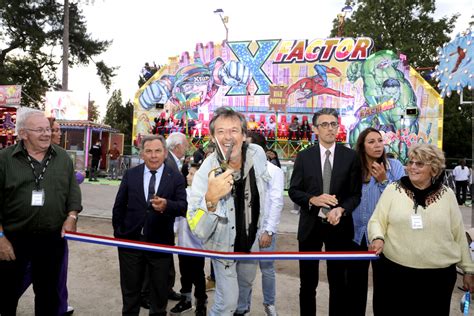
pixel 181 307
pixel 201 310
pixel 174 296
pixel 69 311
pixel 145 303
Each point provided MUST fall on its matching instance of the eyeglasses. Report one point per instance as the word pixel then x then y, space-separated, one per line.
pixel 39 130
pixel 418 164
pixel 326 125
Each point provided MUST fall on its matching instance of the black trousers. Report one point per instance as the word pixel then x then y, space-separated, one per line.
pixel 94 169
pixel 145 293
pixel 133 264
pixel 192 273
pixel 461 191
pixel 358 280
pixel 45 253
pixel 334 238
pixel 428 290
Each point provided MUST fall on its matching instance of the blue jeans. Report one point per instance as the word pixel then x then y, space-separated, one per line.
pixel 230 280
pixel 268 282
pixel 267 267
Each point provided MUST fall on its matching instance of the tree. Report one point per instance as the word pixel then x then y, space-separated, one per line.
pixel 457 131
pixel 92 112
pixel 30 33
pixel 401 26
pixel 120 116
pixel 409 27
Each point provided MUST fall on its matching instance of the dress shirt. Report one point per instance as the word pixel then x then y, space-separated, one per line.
pixel 147 177
pixel 273 199
pixel 178 161
pixel 461 174
pixel 323 150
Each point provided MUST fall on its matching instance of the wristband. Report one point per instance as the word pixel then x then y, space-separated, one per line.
pixel 73 216
pixel 378 238
pixel 2 235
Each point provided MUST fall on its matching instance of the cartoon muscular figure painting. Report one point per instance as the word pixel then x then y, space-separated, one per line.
pixel 194 85
pixel 388 94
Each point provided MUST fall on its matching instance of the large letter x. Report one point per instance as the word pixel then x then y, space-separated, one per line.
pixel 255 63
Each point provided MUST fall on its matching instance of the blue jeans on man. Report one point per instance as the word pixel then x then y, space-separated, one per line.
pixel 267 268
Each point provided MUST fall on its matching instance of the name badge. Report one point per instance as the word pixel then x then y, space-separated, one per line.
pixel 416 221
pixel 37 198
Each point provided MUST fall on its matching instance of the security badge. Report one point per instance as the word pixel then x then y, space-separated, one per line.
pixel 416 221
pixel 37 198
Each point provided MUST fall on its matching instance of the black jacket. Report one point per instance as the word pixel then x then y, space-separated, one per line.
pixel 131 211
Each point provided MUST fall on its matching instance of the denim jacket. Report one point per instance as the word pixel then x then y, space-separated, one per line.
pixel 217 229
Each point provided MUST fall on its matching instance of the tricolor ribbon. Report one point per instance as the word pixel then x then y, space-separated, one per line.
pixel 139 245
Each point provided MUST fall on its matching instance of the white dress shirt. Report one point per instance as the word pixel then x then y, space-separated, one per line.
pixel 273 199
pixel 178 161
pixel 323 150
pixel 147 177
pixel 461 174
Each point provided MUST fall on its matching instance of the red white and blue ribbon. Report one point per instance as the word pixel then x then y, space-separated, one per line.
pixel 139 245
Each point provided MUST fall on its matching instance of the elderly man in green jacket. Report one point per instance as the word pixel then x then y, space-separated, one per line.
pixel 39 201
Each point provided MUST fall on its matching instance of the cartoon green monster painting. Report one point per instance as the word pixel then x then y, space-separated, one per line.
pixel 388 94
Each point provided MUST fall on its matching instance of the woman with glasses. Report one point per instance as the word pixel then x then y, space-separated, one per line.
pixel 417 230
pixel 377 172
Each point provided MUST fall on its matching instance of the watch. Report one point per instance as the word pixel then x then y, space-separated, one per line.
pixel 269 232
pixel 384 182
pixel 1 234
pixel 210 205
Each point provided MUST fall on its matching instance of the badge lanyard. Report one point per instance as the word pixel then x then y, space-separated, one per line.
pixel 37 196
pixel 39 177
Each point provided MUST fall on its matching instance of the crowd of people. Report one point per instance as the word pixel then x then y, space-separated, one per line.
pixel 230 200
pixel 271 129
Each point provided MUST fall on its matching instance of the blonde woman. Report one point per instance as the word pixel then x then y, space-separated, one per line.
pixel 418 231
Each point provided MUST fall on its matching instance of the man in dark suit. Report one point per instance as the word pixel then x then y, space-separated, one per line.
pixel 177 145
pixel 140 214
pixel 326 185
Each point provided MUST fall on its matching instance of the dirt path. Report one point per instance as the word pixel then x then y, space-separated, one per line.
pixel 94 287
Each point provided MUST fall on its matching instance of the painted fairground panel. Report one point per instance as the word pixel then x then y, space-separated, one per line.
pixel 279 84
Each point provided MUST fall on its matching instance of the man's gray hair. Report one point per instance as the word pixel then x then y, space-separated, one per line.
pixel 149 138
pixel 175 139
pixel 24 116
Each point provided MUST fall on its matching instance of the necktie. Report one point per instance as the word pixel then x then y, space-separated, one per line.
pixel 327 177
pixel 151 185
